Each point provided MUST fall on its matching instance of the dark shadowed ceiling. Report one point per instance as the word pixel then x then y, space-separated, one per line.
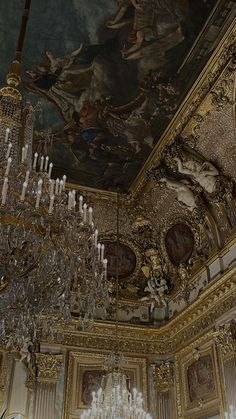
pixel 106 77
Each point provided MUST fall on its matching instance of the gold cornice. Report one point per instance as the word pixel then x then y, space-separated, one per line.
pixel 195 320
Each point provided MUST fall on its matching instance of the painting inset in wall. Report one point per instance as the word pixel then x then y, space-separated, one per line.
pixel 201 380
pixel 179 242
pixel 91 380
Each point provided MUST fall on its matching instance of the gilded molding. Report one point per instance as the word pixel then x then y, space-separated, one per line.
pixel 187 326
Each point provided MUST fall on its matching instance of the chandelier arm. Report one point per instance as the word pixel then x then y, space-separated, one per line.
pixel 117 267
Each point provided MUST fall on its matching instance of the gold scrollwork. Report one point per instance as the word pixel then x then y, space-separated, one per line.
pixel 48 367
pixel 163 376
pixel 225 338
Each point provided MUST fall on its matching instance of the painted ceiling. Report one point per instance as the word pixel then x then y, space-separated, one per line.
pixel 106 77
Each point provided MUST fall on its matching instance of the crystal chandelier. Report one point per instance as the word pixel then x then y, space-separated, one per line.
pixel 114 400
pixel 231 414
pixel 51 263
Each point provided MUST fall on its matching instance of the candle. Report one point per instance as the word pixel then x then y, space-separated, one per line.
pixel 84 213
pixel 46 164
pixel 8 150
pixel 22 197
pixel 41 164
pixel 50 170
pixel 57 186
pixel 35 160
pixel 26 150
pixel 81 204
pixel 23 155
pixel 52 183
pixel 61 186
pixel 7 135
pixel 69 200
pixel 64 182
pixel 4 190
pixel 27 176
pixel 90 215
pixel 50 210
pixel 96 237
pixel 102 252
pixel 39 193
pixel 40 184
pixel 9 160
pixel 99 250
pixel 74 200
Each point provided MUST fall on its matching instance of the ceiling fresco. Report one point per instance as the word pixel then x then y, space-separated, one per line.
pixel 105 77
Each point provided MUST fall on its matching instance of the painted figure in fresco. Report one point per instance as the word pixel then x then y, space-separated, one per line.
pixel 47 73
pixel 205 174
pixel 152 19
pixel 133 126
pixel 184 193
pixel 201 378
pixel 70 80
pixel 91 382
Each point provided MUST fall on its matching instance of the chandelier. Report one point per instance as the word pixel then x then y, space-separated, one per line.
pixel 114 400
pixel 51 263
pixel 231 414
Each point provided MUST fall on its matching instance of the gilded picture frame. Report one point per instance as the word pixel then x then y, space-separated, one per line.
pixel 85 371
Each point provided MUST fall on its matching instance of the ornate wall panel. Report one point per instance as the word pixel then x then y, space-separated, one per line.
pixel 85 371
pixel 198 381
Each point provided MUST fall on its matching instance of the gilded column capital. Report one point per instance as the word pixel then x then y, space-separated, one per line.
pixel 48 367
pixel 225 337
pixel 163 376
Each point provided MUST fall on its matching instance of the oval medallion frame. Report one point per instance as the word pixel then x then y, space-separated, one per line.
pixel 131 274
pixel 179 243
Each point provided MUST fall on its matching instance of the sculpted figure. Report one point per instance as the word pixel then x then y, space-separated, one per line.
pixel 156 284
pixel 204 174
pixel 153 268
pixel 184 193
pixel 157 293
pixel 25 352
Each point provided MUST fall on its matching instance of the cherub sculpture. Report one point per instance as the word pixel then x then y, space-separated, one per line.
pixel 157 293
pixel 25 351
pixel 156 285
